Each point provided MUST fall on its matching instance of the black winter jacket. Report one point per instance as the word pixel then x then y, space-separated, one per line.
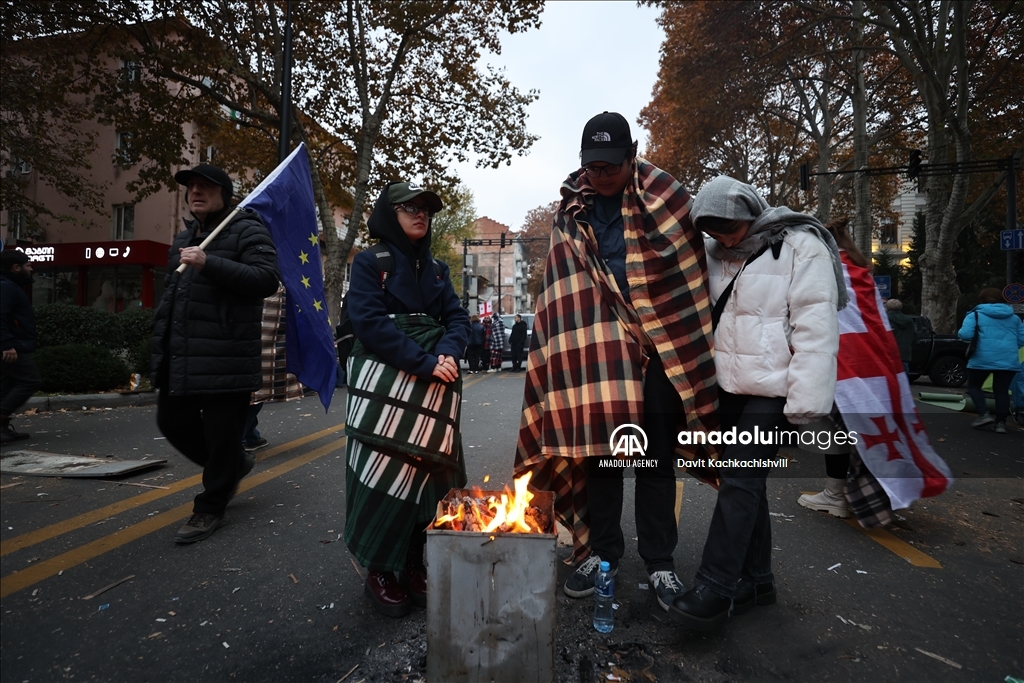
pixel 17 323
pixel 206 329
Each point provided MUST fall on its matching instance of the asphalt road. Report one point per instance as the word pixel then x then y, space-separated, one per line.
pixel 275 596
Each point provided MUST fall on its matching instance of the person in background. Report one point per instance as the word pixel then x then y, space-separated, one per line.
pixel 19 374
pixel 411 331
pixel 517 342
pixel 475 349
pixel 278 384
pixel 206 340
pixel 902 328
pixel 777 282
pixel 497 341
pixel 1000 336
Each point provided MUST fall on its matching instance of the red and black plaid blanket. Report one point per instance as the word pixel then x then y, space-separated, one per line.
pixel 590 347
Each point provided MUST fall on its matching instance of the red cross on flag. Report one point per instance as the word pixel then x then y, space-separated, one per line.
pixel 873 395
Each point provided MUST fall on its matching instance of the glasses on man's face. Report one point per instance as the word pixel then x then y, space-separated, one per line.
pixel 413 209
pixel 606 170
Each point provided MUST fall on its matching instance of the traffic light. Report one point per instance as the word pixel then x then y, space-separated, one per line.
pixel 805 176
pixel 502 241
pixel 914 167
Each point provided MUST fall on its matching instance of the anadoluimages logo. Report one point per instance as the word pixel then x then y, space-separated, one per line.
pixel 628 444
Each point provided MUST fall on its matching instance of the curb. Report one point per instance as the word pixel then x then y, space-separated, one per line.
pixel 86 401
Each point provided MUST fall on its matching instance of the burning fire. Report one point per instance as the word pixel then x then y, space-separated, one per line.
pixel 511 512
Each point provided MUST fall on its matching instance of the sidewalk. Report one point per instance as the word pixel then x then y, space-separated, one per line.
pixel 86 401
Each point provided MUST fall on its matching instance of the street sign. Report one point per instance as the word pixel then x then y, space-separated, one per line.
pixel 1010 240
pixel 884 284
pixel 1013 293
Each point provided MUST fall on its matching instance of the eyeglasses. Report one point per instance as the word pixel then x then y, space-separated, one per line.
pixel 606 170
pixel 413 209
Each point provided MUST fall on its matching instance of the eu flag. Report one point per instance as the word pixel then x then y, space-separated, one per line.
pixel 284 200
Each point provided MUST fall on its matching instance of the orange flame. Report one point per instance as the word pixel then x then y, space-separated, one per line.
pixel 493 514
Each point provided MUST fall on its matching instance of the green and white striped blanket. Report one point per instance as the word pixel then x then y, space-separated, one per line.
pixel 399 413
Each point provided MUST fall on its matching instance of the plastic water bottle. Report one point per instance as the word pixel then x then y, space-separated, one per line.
pixel 604 596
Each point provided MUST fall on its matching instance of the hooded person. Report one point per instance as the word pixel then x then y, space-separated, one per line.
pixel 776 283
pixel 1000 335
pixel 411 331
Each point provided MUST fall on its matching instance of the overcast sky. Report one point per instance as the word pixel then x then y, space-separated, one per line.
pixel 587 57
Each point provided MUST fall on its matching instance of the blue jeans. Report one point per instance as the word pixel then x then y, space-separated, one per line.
pixel 251 434
pixel 739 542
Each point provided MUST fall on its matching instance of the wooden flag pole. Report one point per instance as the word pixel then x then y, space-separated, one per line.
pixel 209 238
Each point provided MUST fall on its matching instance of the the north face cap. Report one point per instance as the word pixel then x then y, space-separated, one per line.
pixel 606 138
pixel 403 192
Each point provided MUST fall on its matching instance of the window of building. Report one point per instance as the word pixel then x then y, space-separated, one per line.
pixel 129 72
pixel 124 222
pixel 206 153
pixel 17 225
pixel 889 233
pixel 123 151
pixel 19 167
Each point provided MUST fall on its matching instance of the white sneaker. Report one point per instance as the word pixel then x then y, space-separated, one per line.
pixel 982 420
pixel 831 500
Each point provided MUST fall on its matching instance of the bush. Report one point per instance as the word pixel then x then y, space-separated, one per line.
pixel 139 357
pixel 59 324
pixel 80 368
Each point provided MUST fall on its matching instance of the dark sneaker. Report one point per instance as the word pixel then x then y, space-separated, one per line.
pixel 251 446
pixel 581 583
pixel 701 608
pixel 982 420
pixel 199 526
pixel 667 587
pixel 8 434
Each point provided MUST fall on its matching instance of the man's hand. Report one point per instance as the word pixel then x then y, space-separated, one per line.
pixel 10 355
pixel 193 256
pixel 446 369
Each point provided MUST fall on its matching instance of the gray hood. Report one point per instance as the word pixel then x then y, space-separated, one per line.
pixel 728 198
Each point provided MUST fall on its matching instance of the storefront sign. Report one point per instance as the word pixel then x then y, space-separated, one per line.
pixel 134 252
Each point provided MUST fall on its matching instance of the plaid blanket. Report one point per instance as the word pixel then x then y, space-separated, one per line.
pixel 395 411
pixel 278 384
pixel 589 346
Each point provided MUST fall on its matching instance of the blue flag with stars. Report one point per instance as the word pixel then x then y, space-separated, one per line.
pixel 284 200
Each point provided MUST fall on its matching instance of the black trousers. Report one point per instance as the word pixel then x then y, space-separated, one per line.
pixel 475 357
pixel 518 356
pixel 739 541
pixel 207 429
pixel 655 497
pixel 18 381
pixel 1001 380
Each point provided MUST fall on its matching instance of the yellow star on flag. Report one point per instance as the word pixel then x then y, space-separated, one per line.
pixel 304 257
pixel 305 281
pixel 314 240
pixel 318 305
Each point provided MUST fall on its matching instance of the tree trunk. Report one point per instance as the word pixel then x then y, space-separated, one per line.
pixel 861 181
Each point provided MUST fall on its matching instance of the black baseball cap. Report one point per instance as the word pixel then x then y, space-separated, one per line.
pixel 215 175
pixel 403 192
pixel 606 138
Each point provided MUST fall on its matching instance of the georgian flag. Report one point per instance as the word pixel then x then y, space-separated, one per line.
pixel 873 395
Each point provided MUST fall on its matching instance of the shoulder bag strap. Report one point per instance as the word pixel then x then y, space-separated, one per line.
pixel 716 312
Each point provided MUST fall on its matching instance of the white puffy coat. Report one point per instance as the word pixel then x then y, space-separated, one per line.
pixel 779 331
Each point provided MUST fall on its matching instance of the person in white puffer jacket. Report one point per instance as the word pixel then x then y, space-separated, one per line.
pixel 776 284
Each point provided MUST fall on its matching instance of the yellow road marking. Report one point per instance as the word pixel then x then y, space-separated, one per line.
pixel 47 568
pixel 895 545
pixel 84 519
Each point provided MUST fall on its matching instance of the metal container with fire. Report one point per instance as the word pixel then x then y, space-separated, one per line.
pixel 491 590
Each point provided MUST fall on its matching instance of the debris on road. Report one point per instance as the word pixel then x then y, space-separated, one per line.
pixel 938 657
pixel 837 564
pixel 348 674
pixel 292 577
pixel 108 587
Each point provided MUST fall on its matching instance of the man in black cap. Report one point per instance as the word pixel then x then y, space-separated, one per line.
pixel 618 344
pixel 19 374
pixel 206 340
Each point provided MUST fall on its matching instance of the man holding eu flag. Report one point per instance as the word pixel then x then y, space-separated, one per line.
pixel 206 339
